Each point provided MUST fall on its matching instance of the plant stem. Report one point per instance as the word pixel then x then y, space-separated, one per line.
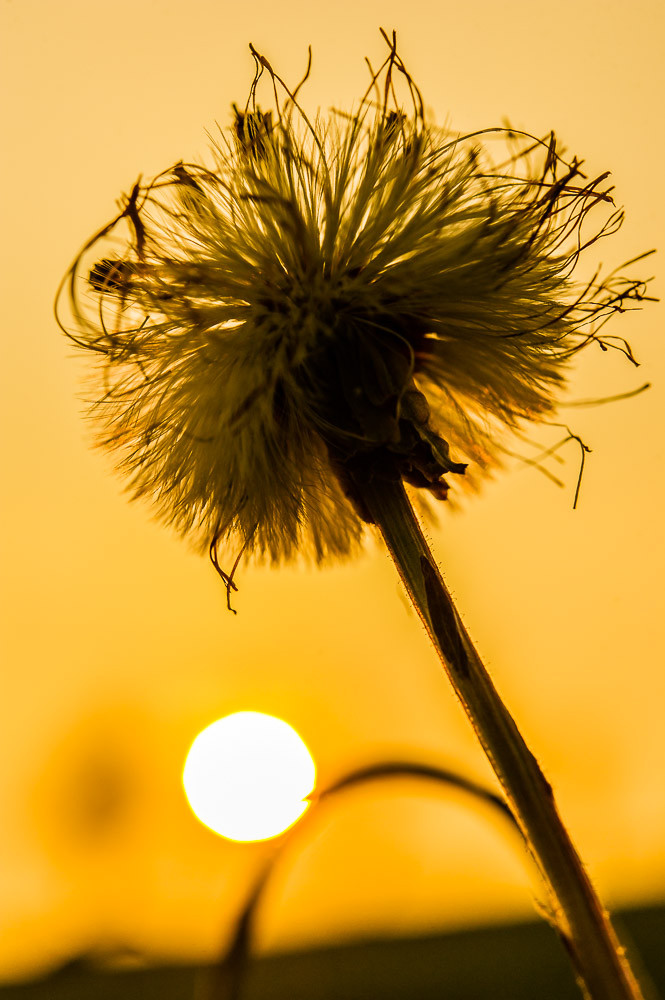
pixel 230 974
pixel 602 970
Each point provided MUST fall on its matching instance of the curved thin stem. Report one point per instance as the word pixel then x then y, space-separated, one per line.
pixel 602 969
pixel 230 973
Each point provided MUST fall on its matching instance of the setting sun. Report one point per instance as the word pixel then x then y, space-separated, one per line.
pixel 247 775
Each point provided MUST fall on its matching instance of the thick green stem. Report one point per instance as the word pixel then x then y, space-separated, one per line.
pixel 600 964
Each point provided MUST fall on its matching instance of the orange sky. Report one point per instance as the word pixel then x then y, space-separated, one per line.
pixel 116 644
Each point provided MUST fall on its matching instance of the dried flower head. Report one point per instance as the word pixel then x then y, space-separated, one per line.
pixel 352 297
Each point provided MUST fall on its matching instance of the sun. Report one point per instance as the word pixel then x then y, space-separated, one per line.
pixel 247 776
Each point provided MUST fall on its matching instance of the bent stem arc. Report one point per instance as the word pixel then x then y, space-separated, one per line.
pixel 602 969
pixel 229 975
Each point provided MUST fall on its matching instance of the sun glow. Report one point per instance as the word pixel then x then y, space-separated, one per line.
pixel 247 776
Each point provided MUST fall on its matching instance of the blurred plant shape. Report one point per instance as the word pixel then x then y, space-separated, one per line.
pixel 339 307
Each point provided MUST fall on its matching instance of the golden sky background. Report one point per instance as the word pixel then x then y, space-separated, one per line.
pixel 117 648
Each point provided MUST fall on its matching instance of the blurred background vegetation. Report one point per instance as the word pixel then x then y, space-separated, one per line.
pixel 511 962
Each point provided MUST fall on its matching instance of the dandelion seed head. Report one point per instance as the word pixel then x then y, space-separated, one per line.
pixel 333 300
